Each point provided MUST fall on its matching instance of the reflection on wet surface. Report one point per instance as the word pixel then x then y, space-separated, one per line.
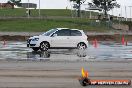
pixel 104 51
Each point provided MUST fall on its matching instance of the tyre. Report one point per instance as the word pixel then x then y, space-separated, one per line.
pixel 35 48
pixel 44 46
pixel 81 46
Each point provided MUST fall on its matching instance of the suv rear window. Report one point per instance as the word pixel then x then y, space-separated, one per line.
pixel 76 33
pixel 64 32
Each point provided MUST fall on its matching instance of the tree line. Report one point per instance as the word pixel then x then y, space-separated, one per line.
pixel 104 5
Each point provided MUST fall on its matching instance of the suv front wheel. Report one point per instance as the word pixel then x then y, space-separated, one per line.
pixel 44 46
pixel 81 46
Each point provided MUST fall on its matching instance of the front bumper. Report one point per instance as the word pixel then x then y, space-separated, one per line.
pixel 31 43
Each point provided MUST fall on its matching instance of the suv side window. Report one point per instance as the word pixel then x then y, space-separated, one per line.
pixel 76 33
pixel 63 32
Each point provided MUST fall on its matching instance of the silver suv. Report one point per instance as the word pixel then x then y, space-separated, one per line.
pixel 59 38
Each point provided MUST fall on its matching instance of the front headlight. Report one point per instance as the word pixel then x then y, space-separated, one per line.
pixel 35 39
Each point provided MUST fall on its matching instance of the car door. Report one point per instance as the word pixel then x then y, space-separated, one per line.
pixel 75 38
pixel 61 38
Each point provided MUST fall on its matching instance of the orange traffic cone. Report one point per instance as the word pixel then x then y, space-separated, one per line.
pixel 95 43
pixel 123 40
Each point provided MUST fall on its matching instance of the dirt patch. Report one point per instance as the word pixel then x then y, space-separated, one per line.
pixel 109 37
pixel 13 38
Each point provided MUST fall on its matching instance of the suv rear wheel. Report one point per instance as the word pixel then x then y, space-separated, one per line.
pixel 81 46
pixel 44 46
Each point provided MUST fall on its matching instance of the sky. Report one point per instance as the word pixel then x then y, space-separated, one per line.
pixel 50 4
pixel 62 4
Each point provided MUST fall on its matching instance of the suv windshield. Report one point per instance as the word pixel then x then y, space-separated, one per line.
pixel 48 33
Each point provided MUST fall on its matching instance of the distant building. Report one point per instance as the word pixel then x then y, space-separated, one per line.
pixel 6 5
pixel 29 5
pixel 23 5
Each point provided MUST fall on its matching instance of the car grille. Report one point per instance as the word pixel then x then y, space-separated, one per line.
pixel 32 44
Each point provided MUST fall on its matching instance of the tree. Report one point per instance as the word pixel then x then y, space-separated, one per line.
pixel 15 2
pixel 106 5
pixel 79 3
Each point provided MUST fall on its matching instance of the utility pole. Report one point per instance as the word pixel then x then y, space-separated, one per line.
pixel 130 13
pixel 39 10
pixel 126 13
pixel 28 9
pixel 121 14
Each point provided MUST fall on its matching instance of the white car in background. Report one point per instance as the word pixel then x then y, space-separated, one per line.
pixel 59 38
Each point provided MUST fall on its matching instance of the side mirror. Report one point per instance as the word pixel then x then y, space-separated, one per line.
pixel 54 35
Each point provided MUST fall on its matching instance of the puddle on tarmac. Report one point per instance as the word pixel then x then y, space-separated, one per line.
pixel 103 51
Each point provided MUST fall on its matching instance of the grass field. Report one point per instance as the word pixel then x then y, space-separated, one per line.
pixel 44 12
pixel 34 12
pixel 45 24
pixel 51 19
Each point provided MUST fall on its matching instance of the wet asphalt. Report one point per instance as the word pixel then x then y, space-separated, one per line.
pixel 20 67
pixel 104 50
